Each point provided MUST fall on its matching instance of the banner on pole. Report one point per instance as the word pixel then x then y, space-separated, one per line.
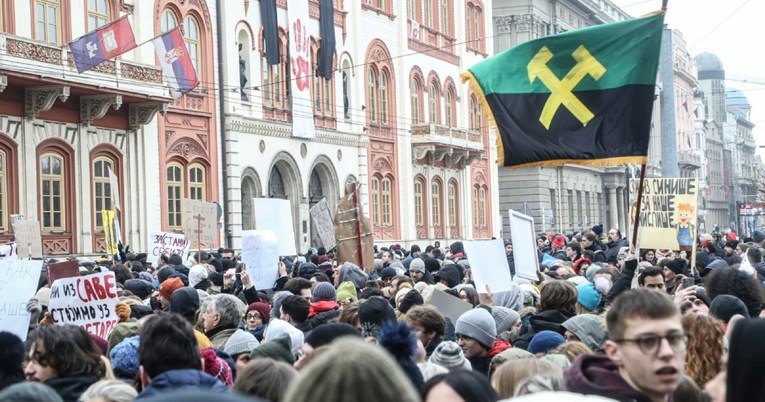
pixel 164 243
pixel 110 238
pixel 28 238
pixel 668 213
pixel 260 254
pixel 86 301
pixel 322 221
pixel 200 222
pixel 18 283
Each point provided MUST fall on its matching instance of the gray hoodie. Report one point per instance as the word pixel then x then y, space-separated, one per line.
pixel 589 328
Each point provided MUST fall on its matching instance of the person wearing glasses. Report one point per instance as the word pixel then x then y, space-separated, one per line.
pixel 645 351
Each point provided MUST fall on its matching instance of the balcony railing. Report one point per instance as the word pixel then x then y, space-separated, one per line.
pixel 434 143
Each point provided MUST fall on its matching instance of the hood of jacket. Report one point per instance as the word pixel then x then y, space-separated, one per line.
pixel 351 272
pixel 185 301
pixel 450 274
pixel 322 306
pixel 499 347
pixel 71 388
pixel 588 328
pixel 185 379
pixel 512 299
pixel 598 375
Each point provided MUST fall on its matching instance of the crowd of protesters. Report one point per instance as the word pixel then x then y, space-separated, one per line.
pixel 600 323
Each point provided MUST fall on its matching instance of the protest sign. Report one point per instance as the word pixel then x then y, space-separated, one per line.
pixel 114 188
pixel 260 254
pixel 18 283
pixel 86 301
pixel 9 252
pixel 524 245
pixel 110 241
pixel 488 264
pixel 448 305
pixel 667 213
pixel 66 269
pixel 322 221
pixel 200 222
pixel 168 244
pixel 276 214
pixel 28 238
pixel 353 231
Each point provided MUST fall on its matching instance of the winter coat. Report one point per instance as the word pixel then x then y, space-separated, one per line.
pixel 185 302
pixel 184 379
pixel 219 336
pixel 321 313
pixel 547 320
pixel 623 282
pixel 612 253
pixel 70 388
pixel 450 274
pixel 598 375
pixel 481 364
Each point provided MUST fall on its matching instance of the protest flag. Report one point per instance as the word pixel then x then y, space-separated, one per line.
pixel 582 97
pixel 104 43
pixel 175 62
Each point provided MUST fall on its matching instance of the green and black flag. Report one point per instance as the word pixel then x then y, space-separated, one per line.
pixel 583 97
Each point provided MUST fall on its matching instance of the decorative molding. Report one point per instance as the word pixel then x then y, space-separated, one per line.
pixel 419 152
pixel 505 23
pixel 187 149
pixel 273 129
pixel 107 67
pixel 3 82
pixel 41 99
pixel 126 8
pixel 143 113
pixel 140 73
pixel 33 51
pixel 10 126
pixel 95 107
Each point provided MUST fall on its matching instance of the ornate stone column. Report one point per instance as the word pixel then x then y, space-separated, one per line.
pixel 612 208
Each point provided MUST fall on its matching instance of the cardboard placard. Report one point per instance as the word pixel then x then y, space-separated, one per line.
pixel 448 305
pixel 322 221
pixel 168 244
pixel 667 212
pixel 260 254
pixel 276 214
pixel 66 269
pixel 488 265
pixel 18 284
pixel 524 246
pixel 86 301
pixel 9 252
pixel 28 238
pixel 200 222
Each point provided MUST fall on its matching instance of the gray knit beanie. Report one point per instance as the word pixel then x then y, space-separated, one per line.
pixel 504 317
pixel 448 354
pixel 324 291
pixel 477 324
pixel 240 342
pixel 417 264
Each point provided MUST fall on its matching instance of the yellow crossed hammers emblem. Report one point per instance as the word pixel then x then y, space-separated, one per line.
pixel 561 90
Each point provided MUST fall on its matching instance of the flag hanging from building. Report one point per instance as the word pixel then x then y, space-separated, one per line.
pixel 180 75
pixel 104 43
pixel 583 97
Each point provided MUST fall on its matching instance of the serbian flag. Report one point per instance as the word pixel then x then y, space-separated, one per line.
pixel 176 64
pixel 104 43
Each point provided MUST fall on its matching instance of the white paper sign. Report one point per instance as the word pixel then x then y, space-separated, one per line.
pixel 18 284
pixel 28 238
pixel 86 301
pixel 524 245
pixel 300 62
pixel 322 221
pixel 488 264
pixel 115 189
pixel 260 254
pixel 200 222
pixel 9 252
pixel 276 214
pixel 167 243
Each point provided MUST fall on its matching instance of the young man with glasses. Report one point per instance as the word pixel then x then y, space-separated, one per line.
pixel 645 353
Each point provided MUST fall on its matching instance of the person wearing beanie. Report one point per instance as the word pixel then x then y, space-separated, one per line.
pixel 139 287
pixel 346 293
pixel 449 275
pixel 216 367
pixel 278 348
pixel 12 355
pixel 324 308
pixel 432 265
pixel 419 273
pixel 386 274
pixel 411 298
pixel 401 343
pixel 586 328
pixel 758 237
pixel 256 319
pixel 505 318
pixel 373 314
pixel 124 359
pixel 674 272
pixel 239 347
pixel 724 307
pixel 545 341
pixel 166 290
pixel 326 334
pixel 449 355
pixel 588 296
pixel 476 331
pixel 29 392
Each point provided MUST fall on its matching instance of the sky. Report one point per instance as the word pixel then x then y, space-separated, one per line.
pixel 733 30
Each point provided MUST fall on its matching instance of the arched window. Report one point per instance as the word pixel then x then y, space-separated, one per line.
pixel 428 5
pixel 449 109
pixel 419 218
pixel 47 21
pixel 52 193
pixel 197 182
pixel 192 38
pixel 481 222
pixel 415 100
pixel 433 101
pixel 174 195
pixel 386 203
pixel 452 200
pixel 435 204
pixel 168 20
pixel 384 97
pixel 346 89
pixel 98 14
pixel 475 113
pixel 372 95
pixel 474 26
pixel 102 191
pixel 376 200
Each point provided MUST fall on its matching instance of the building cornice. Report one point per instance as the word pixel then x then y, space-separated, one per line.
pixel 276 129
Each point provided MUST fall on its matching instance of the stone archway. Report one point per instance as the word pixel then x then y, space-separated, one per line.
pixel 250 189
pixel 284 182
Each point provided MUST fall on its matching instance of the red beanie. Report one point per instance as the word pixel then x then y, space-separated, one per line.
pixel 263 308
pixel 217 367
pixel 169 286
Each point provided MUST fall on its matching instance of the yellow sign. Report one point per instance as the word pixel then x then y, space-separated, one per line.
pixel 667 213
pixel 110 238
pixel 561 90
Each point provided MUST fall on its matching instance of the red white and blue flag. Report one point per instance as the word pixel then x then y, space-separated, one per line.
pixel 104 43
pixel 176 64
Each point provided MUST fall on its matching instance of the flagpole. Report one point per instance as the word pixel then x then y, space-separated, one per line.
pixel 636 224
pixel 664 5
